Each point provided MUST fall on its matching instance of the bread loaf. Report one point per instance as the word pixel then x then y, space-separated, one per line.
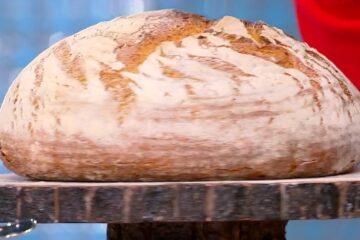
pixel 168 95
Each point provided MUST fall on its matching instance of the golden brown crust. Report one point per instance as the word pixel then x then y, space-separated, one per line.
pixel 71 64
pixel 114 164
pixel 168 95
pixel 133 49
pixel 175 26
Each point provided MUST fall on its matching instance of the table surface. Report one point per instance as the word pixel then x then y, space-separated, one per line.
pixel 131 202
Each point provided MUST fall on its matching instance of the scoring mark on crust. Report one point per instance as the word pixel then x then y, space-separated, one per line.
pixel 119 87
pixel 71 63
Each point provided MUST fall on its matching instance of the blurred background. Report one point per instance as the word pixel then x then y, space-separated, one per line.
pixel 27 27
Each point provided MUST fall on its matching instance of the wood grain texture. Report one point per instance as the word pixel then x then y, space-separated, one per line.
pixel 244 230
pixel 173 96
pixel 219 201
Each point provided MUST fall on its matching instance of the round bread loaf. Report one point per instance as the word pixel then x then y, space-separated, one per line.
pixel 169 96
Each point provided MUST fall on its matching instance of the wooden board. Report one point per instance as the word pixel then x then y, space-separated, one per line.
pixel 121 202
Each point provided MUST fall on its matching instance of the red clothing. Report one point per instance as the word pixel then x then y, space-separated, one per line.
pixel 333 28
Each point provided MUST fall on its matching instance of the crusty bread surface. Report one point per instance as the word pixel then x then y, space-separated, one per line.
pixel 172 96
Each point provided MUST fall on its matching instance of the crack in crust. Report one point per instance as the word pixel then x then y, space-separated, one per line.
pixel 133 50
pixel 120 88
pixel 71 63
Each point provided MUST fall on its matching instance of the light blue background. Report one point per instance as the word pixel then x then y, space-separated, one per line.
pixel 27 27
